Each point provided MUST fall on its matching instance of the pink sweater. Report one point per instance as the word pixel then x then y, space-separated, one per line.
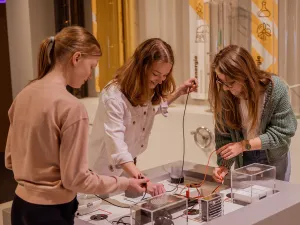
pixel 47 147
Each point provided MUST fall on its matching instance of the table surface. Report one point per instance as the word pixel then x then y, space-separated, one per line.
pixel 288 196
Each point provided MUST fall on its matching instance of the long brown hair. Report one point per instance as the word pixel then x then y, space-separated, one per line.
pixel 132 77
pixel 63 45
pixel 237 64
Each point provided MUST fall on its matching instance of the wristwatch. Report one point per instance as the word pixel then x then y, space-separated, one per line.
pixel 247 145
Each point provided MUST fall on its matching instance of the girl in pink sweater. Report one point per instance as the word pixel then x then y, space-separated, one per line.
pixel 48 135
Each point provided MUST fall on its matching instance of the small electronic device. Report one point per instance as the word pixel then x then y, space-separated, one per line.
pixel 211 207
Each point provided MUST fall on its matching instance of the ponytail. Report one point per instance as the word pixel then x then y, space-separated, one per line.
pixel 46 58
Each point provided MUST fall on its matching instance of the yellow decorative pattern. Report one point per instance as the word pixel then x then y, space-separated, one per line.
pixel 94 21
pixel 114 27
pixel 264 25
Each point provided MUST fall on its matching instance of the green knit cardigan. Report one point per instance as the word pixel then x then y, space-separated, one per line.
pixel 278 125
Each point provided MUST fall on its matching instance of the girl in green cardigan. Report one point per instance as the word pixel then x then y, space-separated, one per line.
pixel 254 120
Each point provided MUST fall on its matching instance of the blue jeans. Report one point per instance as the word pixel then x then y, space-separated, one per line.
pixel 283 165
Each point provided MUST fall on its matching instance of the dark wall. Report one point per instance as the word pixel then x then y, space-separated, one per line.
pixel 5 84
pixel 7 183
pixel 68 13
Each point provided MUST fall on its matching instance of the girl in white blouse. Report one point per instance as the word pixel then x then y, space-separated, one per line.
pixel 142 88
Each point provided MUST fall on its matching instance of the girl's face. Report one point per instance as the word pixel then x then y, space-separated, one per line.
pixel 229 85
pixel 81 70
pixel 158 73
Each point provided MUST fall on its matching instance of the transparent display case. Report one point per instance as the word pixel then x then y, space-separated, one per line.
pixel 164 209
pixel 253 182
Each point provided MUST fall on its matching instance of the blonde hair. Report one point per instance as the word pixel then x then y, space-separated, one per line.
pixel 237 64
pixel 132 77
pixel 63 45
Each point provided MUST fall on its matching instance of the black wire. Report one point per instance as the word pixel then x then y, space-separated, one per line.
pixel 142 197
pixel 144 194
pixel 108 221
pixel 126 207
pixel 183 135
pixel 183 156
pixel 173 189
pixel 120 221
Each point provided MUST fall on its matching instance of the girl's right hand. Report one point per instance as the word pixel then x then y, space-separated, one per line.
pixel 137 185
pixel 155 189
pixel 219 173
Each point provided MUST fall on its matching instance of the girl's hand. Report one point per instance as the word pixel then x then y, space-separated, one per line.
pixel 230 150
pixel 155 189
pixel 190 85
pixel 219 173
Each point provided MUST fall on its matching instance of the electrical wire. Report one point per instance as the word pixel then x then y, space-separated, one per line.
pixel 120 221
pixel 183 136
pixel 215 190
pixel 183 155
pixel 143 196
pixel 183 132
pixel 125 207
pixel 205 174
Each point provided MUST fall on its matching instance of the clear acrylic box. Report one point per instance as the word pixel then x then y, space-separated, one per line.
pixel 253 182
pixel 165 209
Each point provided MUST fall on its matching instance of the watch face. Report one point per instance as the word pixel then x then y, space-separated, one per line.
pixel 248 146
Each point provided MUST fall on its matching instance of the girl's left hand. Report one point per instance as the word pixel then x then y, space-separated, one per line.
pixel 188 86
pixel 230 150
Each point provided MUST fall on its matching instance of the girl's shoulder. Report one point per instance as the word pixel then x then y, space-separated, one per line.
pixel 280 87
pixel 112 93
